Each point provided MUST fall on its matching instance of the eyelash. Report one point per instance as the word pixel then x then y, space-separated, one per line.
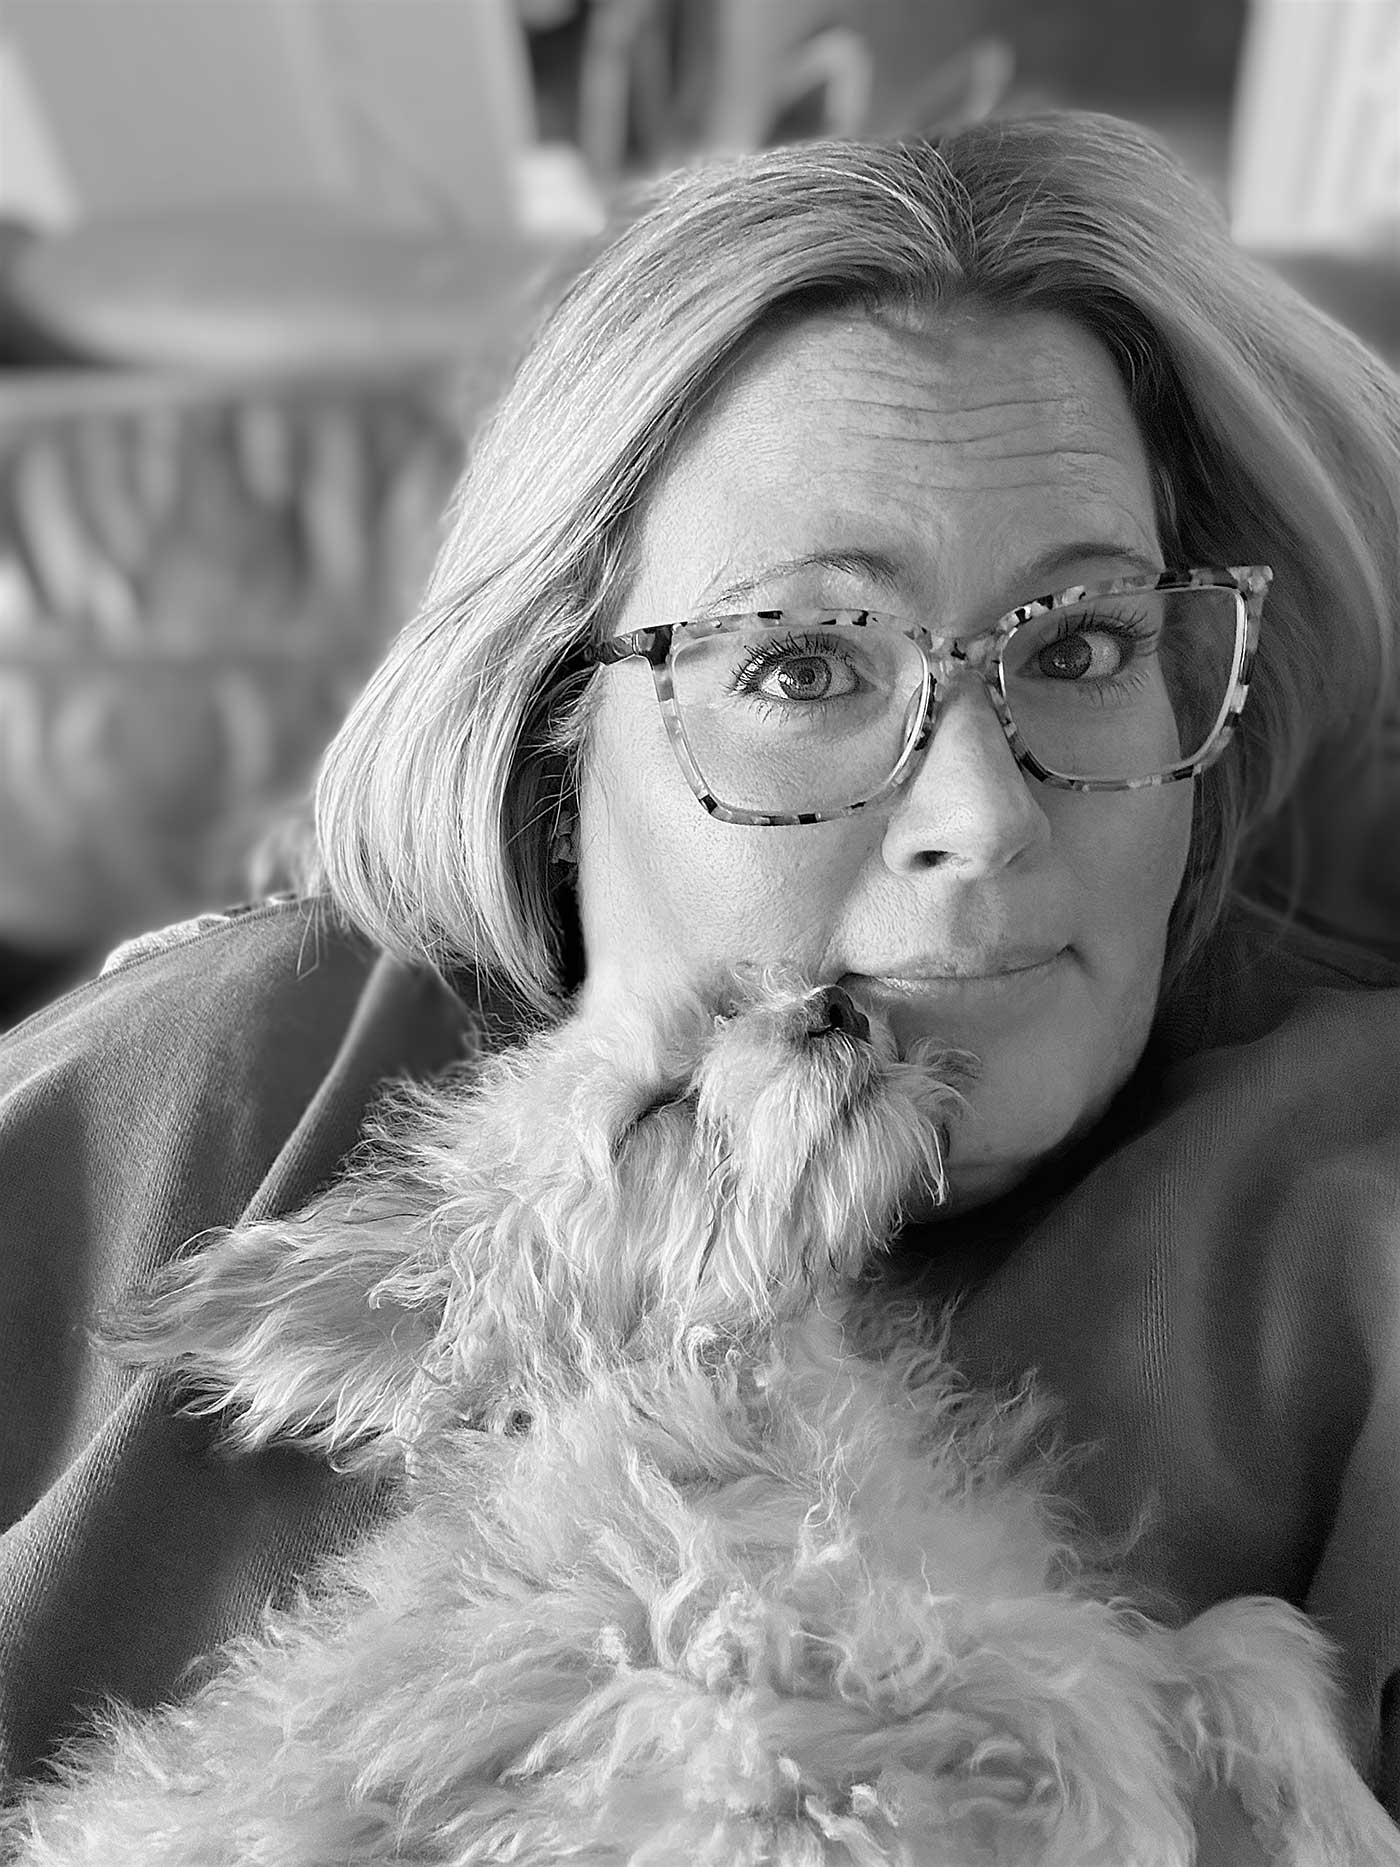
pixel 1124 629
pixel 759 660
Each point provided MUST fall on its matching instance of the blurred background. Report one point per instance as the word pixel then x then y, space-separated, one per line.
pixel 264 262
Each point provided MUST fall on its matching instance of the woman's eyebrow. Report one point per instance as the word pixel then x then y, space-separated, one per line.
pixel 1091 551
pixel 874 566
pixel 888 575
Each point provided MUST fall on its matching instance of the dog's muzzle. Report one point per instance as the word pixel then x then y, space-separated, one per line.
pixel 832 1009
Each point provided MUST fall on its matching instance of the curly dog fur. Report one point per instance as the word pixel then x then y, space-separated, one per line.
pixel 688 1570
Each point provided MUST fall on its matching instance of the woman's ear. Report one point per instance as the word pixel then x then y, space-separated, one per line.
pixel 302 1329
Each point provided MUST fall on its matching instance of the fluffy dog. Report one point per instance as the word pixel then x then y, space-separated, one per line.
pixel 683 1573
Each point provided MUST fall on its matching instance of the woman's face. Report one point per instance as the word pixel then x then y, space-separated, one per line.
pixel 945 473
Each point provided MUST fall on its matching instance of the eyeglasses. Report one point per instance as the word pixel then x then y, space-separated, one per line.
pixel 786 716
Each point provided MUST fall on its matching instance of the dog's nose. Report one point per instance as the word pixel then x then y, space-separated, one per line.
pixel 833 1009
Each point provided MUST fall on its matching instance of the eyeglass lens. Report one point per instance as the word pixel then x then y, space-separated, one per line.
pixel 788 718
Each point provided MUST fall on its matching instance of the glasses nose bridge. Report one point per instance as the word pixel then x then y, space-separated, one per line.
pixel 952 664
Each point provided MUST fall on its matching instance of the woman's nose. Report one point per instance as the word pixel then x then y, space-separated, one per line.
pixel 967 804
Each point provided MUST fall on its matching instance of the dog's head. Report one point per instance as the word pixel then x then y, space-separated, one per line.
pixel 684 1175
pixel 799 1135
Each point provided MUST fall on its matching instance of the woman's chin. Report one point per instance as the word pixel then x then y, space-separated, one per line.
pixel 978 1183
pixel 1035 1123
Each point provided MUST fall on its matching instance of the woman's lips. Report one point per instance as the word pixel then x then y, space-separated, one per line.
pixel 975 981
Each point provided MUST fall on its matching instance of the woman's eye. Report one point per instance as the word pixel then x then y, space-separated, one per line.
pixel 791 671
pixel 1083 655
pixel 806 677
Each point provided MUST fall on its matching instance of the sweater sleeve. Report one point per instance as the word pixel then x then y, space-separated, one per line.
pixel 1354 1593
pixel 200 1081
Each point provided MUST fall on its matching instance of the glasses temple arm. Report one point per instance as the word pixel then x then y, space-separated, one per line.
pixel 652 645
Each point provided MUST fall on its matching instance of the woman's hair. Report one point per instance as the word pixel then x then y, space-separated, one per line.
pixel 1272 435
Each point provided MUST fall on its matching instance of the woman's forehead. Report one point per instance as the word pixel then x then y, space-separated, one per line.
pixel 902 463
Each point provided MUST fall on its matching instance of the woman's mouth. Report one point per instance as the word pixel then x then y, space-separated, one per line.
pixel 972 983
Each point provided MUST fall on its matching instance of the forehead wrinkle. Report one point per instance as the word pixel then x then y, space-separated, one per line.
pixel 955 403
pixel 975 429
pixel 1088 468
pixel 1093 499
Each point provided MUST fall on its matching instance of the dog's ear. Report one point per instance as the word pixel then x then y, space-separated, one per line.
pixel 301 1329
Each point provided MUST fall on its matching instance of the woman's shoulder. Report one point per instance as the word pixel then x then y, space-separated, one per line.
pixel 1263 974
pixel 206 1074
pixel 202 1057
pixel 249 962
pixel 1284 1076
pixel 241 995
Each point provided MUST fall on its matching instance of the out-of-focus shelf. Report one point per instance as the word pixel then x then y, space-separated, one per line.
pixel 196 575
pixel 209 533
pixel 268 289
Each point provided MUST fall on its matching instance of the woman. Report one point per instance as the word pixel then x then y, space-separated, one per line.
pixel 734 652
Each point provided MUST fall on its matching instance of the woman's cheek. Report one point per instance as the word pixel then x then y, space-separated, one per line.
pixel 1126 852
pixel 667 892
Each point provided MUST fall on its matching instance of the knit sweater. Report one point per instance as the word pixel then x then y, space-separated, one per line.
pixel 1209 1285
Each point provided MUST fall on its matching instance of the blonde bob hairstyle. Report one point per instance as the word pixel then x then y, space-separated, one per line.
pixel 1274 438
